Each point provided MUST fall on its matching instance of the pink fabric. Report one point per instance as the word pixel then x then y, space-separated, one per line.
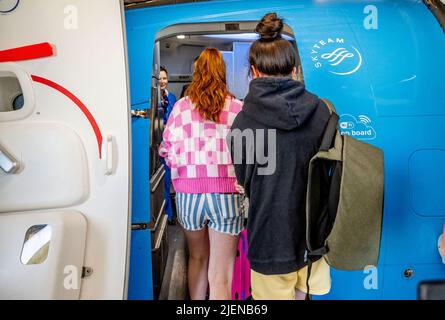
pixel 241 273
pixel 196 149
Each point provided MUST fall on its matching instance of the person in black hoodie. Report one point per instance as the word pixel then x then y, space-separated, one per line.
pixel 285 122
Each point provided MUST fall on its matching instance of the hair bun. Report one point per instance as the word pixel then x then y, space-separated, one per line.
pixel 270 27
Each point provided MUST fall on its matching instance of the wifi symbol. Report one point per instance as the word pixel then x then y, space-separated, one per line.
pixel 364 119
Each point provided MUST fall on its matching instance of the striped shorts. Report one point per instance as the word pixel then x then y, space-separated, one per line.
pixel 219 210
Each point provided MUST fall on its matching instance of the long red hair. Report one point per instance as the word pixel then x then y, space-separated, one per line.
pixel 208 90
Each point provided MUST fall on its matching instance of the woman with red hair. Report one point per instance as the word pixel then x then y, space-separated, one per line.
pixel 195 148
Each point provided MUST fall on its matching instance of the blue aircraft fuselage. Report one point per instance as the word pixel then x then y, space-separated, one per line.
pixel 382 64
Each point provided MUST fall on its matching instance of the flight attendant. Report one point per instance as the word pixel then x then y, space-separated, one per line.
pixel 168 100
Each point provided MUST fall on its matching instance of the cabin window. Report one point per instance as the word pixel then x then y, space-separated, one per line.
pixel 36 244
pixel 176 49
pixel 437 7
pixel 11 95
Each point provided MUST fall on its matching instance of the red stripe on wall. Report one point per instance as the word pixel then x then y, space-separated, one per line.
pixel 79 103
pixel 35 51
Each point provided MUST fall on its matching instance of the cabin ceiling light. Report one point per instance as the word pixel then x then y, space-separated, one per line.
pixel 241 36
pixel 181 36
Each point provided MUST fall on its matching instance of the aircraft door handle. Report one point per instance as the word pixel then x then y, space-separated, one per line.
pixel 7 162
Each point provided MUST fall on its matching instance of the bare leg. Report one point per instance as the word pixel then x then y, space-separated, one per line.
pixel 222 260
pixel 198 244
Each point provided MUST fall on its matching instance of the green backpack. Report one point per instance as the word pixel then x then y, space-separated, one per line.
pixel 344 203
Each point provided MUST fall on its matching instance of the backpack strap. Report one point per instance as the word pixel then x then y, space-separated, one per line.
pixel 331 127
pixel 326 143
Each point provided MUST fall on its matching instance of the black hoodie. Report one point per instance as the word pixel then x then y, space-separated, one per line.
pixel 276 222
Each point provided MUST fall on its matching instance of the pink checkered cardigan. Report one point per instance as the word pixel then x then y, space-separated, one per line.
pixel 196 149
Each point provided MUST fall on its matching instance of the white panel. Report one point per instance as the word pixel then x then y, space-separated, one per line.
pixel 59 276
pixel 53 167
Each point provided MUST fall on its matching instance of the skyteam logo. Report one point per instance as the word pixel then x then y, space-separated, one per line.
pixel 358 127
pixel 7 6
pixel 336 56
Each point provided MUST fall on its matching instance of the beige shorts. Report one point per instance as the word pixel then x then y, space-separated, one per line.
pixel 283 286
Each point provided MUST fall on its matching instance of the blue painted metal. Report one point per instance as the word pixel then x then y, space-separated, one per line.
pixel 390 92
pixel 141 279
